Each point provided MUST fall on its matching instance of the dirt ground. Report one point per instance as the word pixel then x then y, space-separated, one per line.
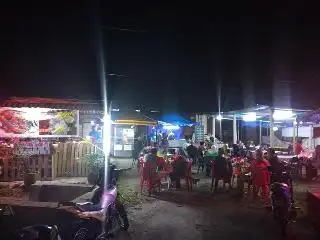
pixel 199 215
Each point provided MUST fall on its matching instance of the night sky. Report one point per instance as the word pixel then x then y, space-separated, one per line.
pixel 176 59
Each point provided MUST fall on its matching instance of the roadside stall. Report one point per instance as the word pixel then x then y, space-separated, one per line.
pixel 39 138
pixel 128 128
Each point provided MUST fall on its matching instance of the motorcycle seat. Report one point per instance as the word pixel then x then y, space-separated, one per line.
pixel 88 207
pixel 279 184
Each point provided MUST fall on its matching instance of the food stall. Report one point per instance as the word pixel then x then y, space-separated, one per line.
pixel 127 127
pixel 29 130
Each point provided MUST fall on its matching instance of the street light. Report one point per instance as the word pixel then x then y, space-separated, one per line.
pixel 219 117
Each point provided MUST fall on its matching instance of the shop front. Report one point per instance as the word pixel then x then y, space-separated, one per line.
pixel 29 131
pixel 126 133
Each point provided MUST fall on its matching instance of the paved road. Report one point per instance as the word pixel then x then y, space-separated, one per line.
pixel 196 216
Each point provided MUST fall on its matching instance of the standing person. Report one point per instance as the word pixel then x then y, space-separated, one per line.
pixel 192 153
pixel 276 166
pixel 260 176
pixel 222 170
pixel 298 149
pixel 200 157
pixel 151 168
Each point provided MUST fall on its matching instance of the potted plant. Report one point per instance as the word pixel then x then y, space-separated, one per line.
pixel 29 175
pixel 95 161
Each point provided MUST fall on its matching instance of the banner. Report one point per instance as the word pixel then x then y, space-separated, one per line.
pixel 35 122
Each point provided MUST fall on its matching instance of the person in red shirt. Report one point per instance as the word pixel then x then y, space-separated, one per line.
pixel 298 148
pixel 260 175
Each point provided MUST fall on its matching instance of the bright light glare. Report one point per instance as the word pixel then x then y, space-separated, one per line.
pixel 35 114
pixel 249 117
pixel 107 134
pixel 171 127
pixel 275 128
pixel 219 117
pixel 282 114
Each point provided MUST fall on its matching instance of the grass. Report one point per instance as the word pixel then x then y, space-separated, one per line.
pixel 128 195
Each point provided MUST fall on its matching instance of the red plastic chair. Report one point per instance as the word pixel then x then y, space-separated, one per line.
pixel 148 179
pixel 236 173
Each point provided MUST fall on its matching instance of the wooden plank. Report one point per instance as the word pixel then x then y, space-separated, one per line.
pixel 57 156
pixel 54 163
pixel 60 155
pixel 80 159
pixel 72 158
pixel 84 152
pixel 64 159
pixel 67 160
pixel 46 167
pixel 76 157
pixel 40 167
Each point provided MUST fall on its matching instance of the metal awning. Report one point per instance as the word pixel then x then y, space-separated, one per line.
pixel 262 112
pixel 87 106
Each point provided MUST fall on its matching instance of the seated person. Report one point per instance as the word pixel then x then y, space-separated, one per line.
pixel 179 166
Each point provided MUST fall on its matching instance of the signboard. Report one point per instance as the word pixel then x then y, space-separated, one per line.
pixel 177 143
pixel 35 122
pixel 33 147
pixel 199 134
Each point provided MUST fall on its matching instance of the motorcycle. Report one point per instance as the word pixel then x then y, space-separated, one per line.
pixel 35 232
pixel 282 206
pixel 104 210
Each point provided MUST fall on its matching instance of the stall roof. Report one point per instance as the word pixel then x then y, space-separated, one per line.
pixel 312 116
pixel 262 112
pixel 53 103
pixel 175 119
pixel 132 117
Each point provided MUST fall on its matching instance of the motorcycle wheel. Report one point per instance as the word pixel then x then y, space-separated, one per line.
pixel 123 222
pixel 282 220
pixel 85 230
pixel 122 216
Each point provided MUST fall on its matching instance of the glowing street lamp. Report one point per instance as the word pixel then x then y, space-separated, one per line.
pixel 249 117
pixel 219 117
pixel 282 114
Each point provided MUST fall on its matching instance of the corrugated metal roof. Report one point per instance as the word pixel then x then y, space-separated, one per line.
pixel 53 103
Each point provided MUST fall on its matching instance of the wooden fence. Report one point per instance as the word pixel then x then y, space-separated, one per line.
pixel 66 160
pixel 12 168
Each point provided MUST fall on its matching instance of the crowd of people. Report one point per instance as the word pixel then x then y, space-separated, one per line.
pixel 263 165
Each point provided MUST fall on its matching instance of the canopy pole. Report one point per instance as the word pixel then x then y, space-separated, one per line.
pixel 311 144
pixel 238 129
pixel 271 127
pixel 294 135
pixel 205 123
pixel 260 133
pixel 234 129
pixel 220 129
pixel 214 127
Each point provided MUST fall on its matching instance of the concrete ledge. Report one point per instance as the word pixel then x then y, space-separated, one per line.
pixel 57 193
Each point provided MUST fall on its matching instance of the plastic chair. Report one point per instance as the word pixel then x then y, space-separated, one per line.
pixel 148 179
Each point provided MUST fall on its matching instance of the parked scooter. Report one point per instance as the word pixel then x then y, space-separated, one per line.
pixel 104 208
pixel 37 232
pixel 282 201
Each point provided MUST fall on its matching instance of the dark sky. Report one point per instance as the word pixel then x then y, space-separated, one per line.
pixel 260 54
